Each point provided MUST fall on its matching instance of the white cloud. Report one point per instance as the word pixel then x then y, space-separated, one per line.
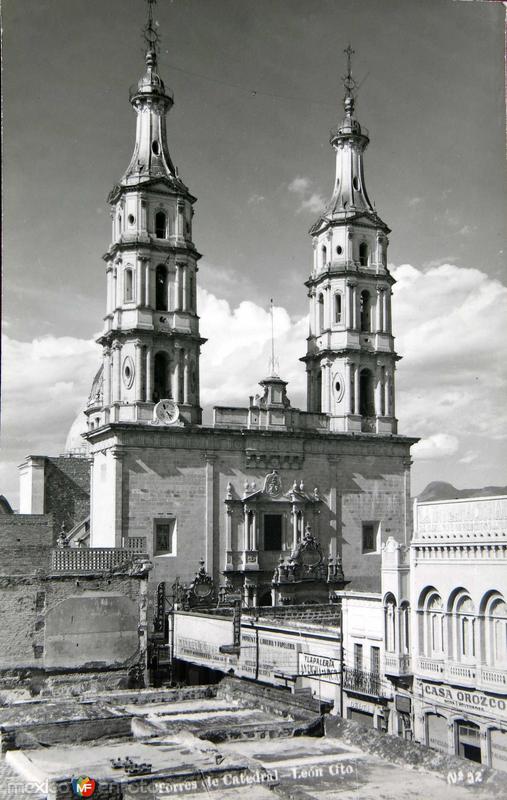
pixel 439 445
pixel 310 200
pixel 414 201
pixel 299 185
pixel 255 199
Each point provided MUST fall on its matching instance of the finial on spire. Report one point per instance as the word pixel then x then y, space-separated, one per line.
pixel 349 83
pixel 150 34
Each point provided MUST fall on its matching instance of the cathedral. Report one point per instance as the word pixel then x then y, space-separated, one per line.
pixel 283 505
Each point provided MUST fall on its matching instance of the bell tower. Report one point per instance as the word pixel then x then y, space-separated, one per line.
pixel 350 359
pixel 151 342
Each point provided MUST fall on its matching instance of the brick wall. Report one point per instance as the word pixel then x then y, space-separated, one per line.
pixel 25 541
pixel 67 490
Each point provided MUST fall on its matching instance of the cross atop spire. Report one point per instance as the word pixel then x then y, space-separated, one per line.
pixel 150 33
pixel 349 82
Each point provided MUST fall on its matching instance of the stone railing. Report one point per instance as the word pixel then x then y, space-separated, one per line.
pixel 395 664
pixel 90 559
pixel 474 675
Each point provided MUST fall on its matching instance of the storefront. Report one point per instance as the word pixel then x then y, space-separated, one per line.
pixel 369 713
pixel 465 722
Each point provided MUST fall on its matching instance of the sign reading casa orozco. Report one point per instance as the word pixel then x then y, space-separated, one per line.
pixel 328 668
pixel 465 700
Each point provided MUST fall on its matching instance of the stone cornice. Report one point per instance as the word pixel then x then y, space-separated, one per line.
pixel 208 439
pixel 152 245
pixel 348 272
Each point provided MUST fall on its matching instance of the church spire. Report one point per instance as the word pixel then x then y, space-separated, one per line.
pixel 151 341
pixel 350 357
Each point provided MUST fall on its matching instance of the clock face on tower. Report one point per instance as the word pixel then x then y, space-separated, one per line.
pixel 166 411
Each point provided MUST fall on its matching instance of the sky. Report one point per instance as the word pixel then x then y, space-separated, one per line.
pixel 257 88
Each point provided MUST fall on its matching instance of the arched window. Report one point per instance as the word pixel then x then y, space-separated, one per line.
pixel 338 307
pixel 320 312
pixel 366 398
pixel 464 627
pixel 363 254
pixel 365 309
pixel 405 628
pixel 434 626
pixel 495 619
pixel 390 623
pixel 128 289
pixel 323 255
pixel 161 287
pixel 161 377
pixel 160 225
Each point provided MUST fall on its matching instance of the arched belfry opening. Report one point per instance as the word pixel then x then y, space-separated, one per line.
pixel 161 288
pixel 160 225
pixel 161 377
pixel 363 254
pixel 366 397
pixel 365 308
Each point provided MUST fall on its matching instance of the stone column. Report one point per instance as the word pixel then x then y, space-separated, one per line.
pixel 349 389
pixel 114 294
pixel 149 375
pixel 147 284
pixel 387 321
pixel 384 310
pixel 177 287
pixel 186 378
pixel 246 532
pixel 109 284
pixel 180 212
pixel 176 375
pixel 116 372
pixel 138 377
pixel 140 275
pixel 253 535
pixel 357 404
pixel 295 513
pixel 379 323
pixel 118 497
pixel 209 517
pixel 107 377
pixel 378 390
pixel 184 303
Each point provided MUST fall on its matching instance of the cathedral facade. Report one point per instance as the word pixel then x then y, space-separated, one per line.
pixel 268 494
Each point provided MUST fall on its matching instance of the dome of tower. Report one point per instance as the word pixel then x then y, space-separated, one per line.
pixel 74 443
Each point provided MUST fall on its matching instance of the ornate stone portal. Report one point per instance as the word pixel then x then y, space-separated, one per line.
pixel 268 529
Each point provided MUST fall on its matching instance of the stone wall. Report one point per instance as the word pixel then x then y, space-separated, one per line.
pixel 45 639
pixel 25 541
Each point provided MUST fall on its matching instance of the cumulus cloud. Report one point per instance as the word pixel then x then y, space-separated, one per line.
pixel 309 199
pixel 439 445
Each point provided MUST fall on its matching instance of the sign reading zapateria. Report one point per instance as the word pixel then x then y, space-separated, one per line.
pixel 328 668
pixel 466 700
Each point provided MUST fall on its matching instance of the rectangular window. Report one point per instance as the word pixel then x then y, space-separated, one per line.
pixel 375 660
pixel 369 537
pixel 165 537
pixel 358 656
pixel 272 531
